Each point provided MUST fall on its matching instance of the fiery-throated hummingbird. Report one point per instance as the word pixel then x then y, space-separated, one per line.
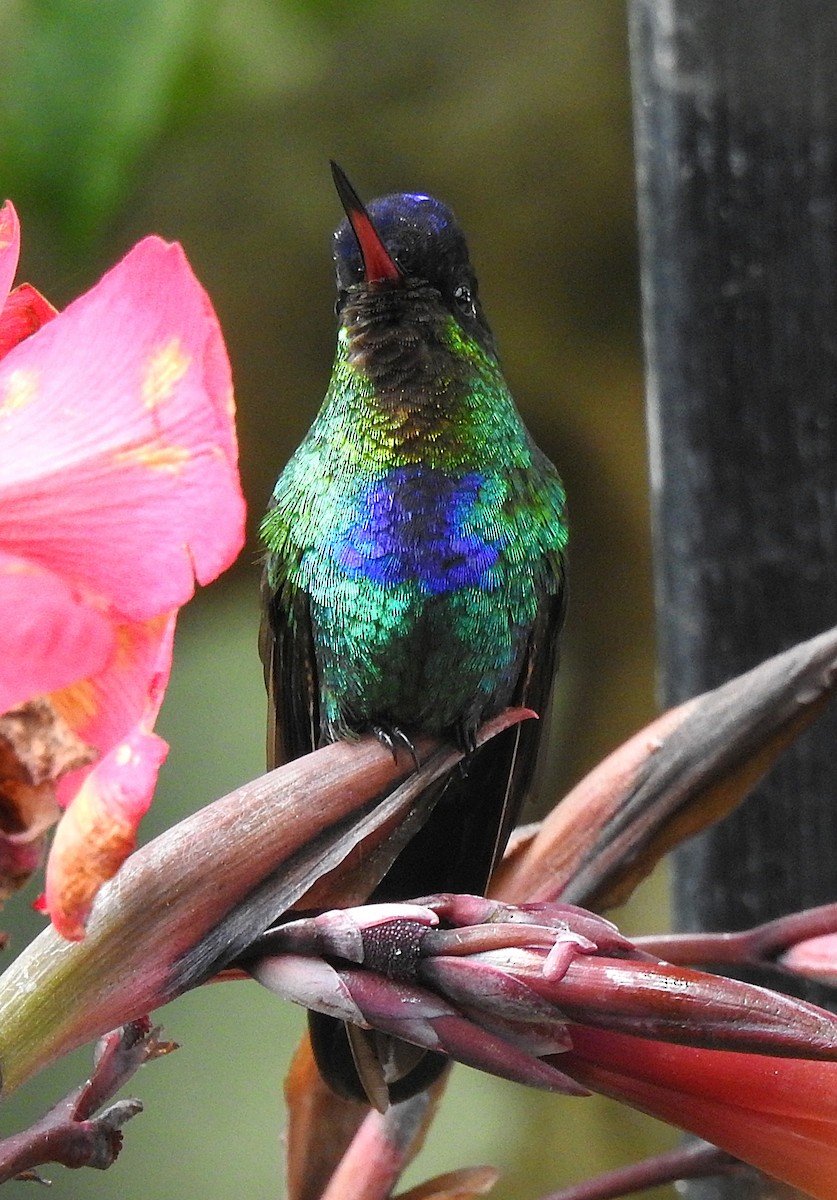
pixel 414 576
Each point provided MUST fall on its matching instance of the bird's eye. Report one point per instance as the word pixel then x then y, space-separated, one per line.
pixel 465 300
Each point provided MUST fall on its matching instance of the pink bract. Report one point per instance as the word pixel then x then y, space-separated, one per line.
pixel 778 1114
pixel 814 958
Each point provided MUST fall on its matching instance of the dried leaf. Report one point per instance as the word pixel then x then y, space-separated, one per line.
pixel 36 748
pixel 45 746
pixel 464 1184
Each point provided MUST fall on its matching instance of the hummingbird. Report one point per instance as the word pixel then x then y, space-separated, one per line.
pixel 414 576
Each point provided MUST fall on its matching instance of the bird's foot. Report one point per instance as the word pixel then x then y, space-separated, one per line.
pixel 465 737
pixel 394 739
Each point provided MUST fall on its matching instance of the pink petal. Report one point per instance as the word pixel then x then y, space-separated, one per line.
pixel 23 314
pixel 104 709
pixel 50 636
pixel 9 248
pixel 117 421
pixel 98 830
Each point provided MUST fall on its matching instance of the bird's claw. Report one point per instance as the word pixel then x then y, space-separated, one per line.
pixel 395 739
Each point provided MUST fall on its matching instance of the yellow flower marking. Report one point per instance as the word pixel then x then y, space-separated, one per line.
pixel 156 456
pixel 164 370
pixel 80 702
pixel 19 568
pixel 77 704
pixel 19 388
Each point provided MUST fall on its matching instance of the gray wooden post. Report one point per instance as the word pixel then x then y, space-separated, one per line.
pixel 735 107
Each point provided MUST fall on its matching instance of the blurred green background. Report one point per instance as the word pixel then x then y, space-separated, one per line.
pixel 212 123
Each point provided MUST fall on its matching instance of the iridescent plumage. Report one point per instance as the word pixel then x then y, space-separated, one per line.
pixel 414 569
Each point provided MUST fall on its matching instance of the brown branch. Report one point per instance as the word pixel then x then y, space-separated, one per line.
pixel 70 1133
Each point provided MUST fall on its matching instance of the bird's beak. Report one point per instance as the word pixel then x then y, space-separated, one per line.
pixel 378 264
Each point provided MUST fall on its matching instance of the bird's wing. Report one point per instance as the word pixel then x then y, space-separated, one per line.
pixel 290 672
pixel 534 690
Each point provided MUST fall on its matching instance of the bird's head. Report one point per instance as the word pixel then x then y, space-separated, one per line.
pixel 403 244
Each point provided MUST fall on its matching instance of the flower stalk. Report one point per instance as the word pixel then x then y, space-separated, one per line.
pixel 173 915
pixel 748 1069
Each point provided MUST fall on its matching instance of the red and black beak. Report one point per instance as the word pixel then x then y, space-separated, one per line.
pixel 378 264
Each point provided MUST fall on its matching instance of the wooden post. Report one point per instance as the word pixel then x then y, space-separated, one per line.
pixel 735 109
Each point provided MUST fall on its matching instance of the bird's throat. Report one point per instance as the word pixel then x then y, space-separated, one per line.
pixel 399 338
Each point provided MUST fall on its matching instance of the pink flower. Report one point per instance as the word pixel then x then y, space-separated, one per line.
pixel 118 490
